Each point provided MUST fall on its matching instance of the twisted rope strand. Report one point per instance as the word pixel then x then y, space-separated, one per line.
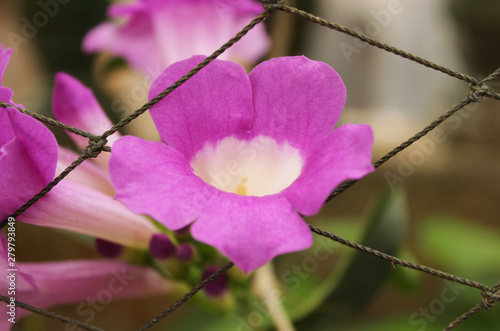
pixel 97 144
pixel 463 317
pixel 395 260
pixel 406 143
pixel 50 121
pixel 51 315
pixel 46 189
pixel 190 74
pixel 487 302
pixel 478 90
pixel 374 42
pixel 188 296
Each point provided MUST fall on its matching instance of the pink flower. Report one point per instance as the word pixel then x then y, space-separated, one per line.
pixel 157 33
pixel 5 93
pixel 93 283
pixel 241 154
pixel 75 105
pixel 28 160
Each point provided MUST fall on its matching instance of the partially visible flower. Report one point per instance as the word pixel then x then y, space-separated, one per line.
pixel 75 104
pixel 241 154
pixel 157 33
pixel 28 160
pixel 49 284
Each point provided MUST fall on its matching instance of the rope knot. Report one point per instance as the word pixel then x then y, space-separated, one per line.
pixel 477 91
pixel 489 299
pixel 269 4
pixel 95 146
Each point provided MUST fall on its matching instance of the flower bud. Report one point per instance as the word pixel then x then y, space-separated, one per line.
pixel 107 248
pixel 161 247
pixel 218 286
pixel 185 252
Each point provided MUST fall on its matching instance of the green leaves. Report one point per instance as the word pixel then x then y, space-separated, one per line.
pixel 354 280
pixel 463 247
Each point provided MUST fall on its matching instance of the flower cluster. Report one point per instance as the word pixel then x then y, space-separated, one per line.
pixel 242 157
pixel 47 284
pixel 82 202
pixel 29 151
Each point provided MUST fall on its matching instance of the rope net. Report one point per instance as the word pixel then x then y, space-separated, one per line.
pixel 478 90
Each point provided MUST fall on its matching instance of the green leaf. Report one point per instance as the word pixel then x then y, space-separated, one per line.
pixel 308 277
pixel 466 248
pixel 365 274
pixel 199 319
pixel 396 323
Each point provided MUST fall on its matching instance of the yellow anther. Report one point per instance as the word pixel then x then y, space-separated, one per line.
pixel 242 189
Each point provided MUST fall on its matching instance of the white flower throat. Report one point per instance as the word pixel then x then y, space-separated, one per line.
pixel 258 167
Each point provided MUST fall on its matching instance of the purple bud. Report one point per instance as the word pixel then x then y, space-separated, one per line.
pixel 218 286
pixel 185 252
pixel 161 247
pixel 107 248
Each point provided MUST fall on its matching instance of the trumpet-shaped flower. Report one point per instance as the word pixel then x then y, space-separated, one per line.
pixel 75 105
pixel 54 283
pixel 28 161
pixel 242 154
pixel 157 33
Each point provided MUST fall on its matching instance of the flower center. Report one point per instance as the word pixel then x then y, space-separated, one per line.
pixel 258 167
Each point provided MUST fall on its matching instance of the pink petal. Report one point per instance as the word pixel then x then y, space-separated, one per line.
pixel 345 154
pixel 75 105
pixel 117 40
pixel 80 279
pixel 122 10
pixel 154 179
pixel 5 92
pixel 74 207
pixel 256 42
pixel 252 47
pixel 5 54
pixel 214 104
pixel 87 173
pixel 6 95
pixel 88 282
pixel 189 28
pixel 164 32
pixel 24 282
pixel 251 231
pixel 296 100
pixel 28 157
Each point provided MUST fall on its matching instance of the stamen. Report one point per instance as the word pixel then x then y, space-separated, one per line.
pixel 242 189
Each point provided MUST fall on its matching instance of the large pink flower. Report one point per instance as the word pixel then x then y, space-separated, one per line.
pixel 241 154
pixel 29 155
pixel 157 33
pixel 93 283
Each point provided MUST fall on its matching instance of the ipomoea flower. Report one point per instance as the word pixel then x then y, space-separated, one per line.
pixel 90 282
pixel 242 154
pixel 28 160
pixel 157 33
